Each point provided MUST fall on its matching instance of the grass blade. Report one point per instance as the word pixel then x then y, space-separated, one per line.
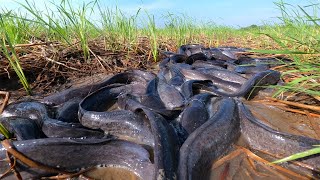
pixel 299 155
pixel 13 59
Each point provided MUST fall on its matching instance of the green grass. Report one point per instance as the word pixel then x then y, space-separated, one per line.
pixel 299 155
pixel 299 37
pixel 10 53
pixel 152 33
pixel 117 29
pixel 5 132
pixel 71 24
pixel 68 24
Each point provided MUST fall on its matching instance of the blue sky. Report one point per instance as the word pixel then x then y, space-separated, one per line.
pixel 236 13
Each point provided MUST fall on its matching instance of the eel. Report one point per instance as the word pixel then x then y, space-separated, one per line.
pixel 251 69
pixel 28 109
pixel 224 74
pixel 134 76
pixel 43 117
pixel 153 101
pixel 95 113
pixel 210 141
pixel 190 49
pixel 264 78
pixel 196 57
pixel 22 128
pixel 196 112
pixel 219 54
pixel 217 64
pixel 58 129
pixel 72 155
pixel 219 82
pixel 140 124
pixel 173 59
pixel 253 84
pixel 132 103
pixel 262 137
pixel 68 111
pixel 169 95
pixel 166 147
pixel 192 87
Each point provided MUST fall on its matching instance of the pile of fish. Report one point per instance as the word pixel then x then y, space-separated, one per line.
pixel 169 125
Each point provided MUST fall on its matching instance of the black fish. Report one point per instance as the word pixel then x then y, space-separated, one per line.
pixel 210 141
pixel 94 113
pixel 134 76
pixel 169 95
pixel 196 112
pixel 190 49
pixel 43 117
pixel 71 155
pixel 193 87
pixel 253 85
pixel 22 128
pixel 166 146
pixel 262 137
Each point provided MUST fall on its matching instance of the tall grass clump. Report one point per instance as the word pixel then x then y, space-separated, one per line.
pixel 179 28
pixel 221 33
pixel 66 22
pixel 53 29
pixel 76 20
pixel 298 36
pixel 183 30
pixel 118 28
pixel 152 32
pixel 18 29
pixel 7 47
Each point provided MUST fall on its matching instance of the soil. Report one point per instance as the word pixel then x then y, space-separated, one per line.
pixel 53 67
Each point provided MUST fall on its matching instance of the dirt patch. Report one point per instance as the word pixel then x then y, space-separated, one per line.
pixel 51 67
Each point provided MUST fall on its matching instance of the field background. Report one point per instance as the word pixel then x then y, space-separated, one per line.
pixel 44 49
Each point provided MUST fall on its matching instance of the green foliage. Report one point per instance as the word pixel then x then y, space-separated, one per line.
pixel 152 32
pixel 5 132
pixel 76 20
pixel 299 155
pixel 299 37
pixel 70 23
pixel 120 31
pixel 8 49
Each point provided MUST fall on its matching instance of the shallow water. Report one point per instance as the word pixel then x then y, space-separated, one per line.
pixel 243 164
pixel 283 121
pixel 111 173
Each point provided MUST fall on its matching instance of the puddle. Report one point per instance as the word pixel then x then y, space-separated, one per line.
pixel 243 164
pixel 110 173
pixel 283 121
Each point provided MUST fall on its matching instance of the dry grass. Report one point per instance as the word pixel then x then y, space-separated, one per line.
pixel 52 63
